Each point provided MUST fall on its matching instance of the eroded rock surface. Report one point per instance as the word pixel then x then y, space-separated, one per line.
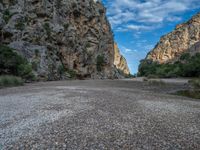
pixel 184 38
pixel 57 35
pixel 120 61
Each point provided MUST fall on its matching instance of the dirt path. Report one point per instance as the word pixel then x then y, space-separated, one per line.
pixel 98 115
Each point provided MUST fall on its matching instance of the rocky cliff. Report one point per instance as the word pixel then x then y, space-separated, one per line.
pixel 184 38
pixel 120 61
pixel 60 38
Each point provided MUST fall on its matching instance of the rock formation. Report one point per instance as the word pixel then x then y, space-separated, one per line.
pixel 184 38
pixel 120 61
pixel 59 36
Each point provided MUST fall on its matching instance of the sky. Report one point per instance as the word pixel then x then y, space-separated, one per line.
pixel 139 24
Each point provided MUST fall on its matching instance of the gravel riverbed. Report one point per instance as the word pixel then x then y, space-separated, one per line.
pixel 118 114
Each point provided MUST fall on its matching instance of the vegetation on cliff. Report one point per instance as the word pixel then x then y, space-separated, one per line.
pixel 186 66
pixel 11 63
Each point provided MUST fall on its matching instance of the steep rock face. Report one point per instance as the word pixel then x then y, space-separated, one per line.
pixel 120 61
pixel 57 35
pixel 195 48
pixel 182 39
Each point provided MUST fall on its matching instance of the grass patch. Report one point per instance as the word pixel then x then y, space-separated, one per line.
pixel 9 81
pixel 156 82
pixel 189 93
pixel 195 83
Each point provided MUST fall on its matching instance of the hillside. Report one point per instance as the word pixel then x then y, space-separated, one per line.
pixel 60 38
pixel 181 40
pixel 177 54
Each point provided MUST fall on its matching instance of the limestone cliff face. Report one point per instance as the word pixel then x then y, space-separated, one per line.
pixel 120 61
pixel 182 39
pixel 57 35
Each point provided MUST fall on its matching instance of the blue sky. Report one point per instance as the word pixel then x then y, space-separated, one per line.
pixel 139 24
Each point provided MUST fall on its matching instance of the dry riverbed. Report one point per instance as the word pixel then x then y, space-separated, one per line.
pixel 118 114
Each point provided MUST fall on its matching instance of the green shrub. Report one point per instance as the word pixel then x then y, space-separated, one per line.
pixel 100 61
pixel 72 73
pixel 185 56
pixel 25 71
pixel 12 63
pixel 9 60
pixel 7 81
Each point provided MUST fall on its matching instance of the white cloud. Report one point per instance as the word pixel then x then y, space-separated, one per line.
pixel 146 13
pixel 126 50
pixel 138 27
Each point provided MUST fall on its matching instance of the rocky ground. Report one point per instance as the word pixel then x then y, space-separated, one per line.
pixel 118 114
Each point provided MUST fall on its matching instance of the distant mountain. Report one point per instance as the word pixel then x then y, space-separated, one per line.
pixel 120 61
pixel 177 54
pixel 185 38
pixel 60 38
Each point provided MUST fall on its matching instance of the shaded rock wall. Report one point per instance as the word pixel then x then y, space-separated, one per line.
pixel 59 37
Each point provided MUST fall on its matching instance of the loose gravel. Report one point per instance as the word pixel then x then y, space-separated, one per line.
pixel 84 115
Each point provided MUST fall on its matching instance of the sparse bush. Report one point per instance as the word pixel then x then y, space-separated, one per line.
pixel 66 26
pixel 36 52
pixel 156 82
pixel 185 56
pixel 61 70
pixel 100 60
pixel 195 83
pixel 47 28
pixel 20 25
pixel 88 45
pixel 34 65
pixel 58 4
pixel 7 81
pixel 152 76
pixel 6 15
pixel 72 73
pixel 189 93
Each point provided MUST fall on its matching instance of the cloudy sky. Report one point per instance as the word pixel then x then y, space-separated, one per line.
pixel 139 24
